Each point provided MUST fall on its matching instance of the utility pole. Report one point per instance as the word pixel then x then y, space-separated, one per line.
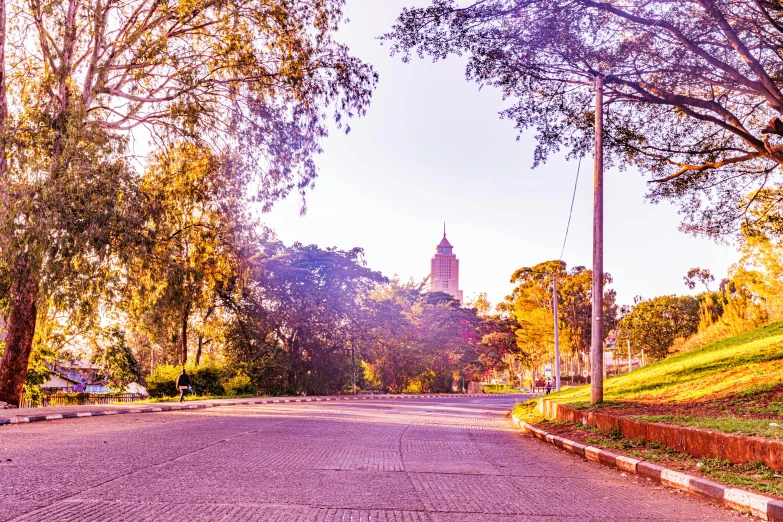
pixel 557 332
pixel 629 355
pixel 353 367
pixel 596 345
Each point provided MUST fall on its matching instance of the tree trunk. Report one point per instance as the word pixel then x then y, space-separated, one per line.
pixel 293 372
pixel 198 350
pixel 19 336
pixel 183 353
pixel 3 103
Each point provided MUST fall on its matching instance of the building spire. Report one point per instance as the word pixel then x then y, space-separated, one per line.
pixel 444 229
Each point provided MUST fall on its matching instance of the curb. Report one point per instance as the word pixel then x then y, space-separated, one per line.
pixel 739 500
pixel 699 442
pixel 178 407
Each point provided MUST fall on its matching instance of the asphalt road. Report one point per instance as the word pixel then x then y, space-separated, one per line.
pixel 444 460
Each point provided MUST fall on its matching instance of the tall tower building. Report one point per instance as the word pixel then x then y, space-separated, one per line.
pixel 444 269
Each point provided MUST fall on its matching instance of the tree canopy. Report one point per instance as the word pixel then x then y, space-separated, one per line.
pixel 693 88
pixel 254 83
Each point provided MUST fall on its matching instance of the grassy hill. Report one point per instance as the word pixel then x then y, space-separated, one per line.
pixel 734 385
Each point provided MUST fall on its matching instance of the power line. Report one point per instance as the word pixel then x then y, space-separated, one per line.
pixel 571 212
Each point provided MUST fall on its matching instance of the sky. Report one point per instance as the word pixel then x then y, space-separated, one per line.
pixel 432 148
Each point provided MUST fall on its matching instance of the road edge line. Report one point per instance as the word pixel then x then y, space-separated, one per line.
pixel 197 406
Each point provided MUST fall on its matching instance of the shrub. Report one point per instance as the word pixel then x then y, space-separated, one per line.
pixel 34 394
pixel 240 384
pixel 162 382
pixel 414 386
pixel 206 380
pixel 497 388
pixel 442 382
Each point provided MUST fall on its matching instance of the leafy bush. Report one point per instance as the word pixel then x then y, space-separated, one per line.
pixel 240 384
pixel 206 380
pixel 34 394
pixel 162 382
pixel 497 388
pixel 443 382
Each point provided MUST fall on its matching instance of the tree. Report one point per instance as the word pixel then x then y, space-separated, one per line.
pixel 311 300
pixel 193 242
pixel 120 366
pixel 693 87
pixel 391 353
pixel 497 349
pixel 758 275
pixel 702 275
pixel 481 303
pixel 252 79
pixel 418 340
pixel 531 304
pixel 654 324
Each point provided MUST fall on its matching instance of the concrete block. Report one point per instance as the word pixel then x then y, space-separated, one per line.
pixel 628 464
pixel 775 511
pixel 607 458
pixel 675 479
pixel 752 503
pixel 592 453
pixel 650 471
pixel 707 489
pixel 574 447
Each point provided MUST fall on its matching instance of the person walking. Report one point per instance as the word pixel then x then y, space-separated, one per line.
pixel 183 384
pixel 548 387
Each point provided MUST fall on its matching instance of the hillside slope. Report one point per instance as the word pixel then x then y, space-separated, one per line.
pixel 734 385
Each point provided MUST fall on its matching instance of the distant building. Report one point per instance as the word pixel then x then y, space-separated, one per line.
pixel 58 382
pixel 78 374
pixel 444 269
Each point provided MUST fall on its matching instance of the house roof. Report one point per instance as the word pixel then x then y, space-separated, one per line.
pixel 79 364
pixel 61 376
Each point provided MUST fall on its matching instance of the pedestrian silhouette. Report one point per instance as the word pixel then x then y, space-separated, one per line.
pixel 183 383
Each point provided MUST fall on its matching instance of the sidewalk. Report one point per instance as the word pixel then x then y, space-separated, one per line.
pixel 24 415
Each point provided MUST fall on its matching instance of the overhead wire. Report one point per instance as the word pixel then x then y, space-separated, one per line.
pixel 571 212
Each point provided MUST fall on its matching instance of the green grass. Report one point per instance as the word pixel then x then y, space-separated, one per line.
pixel 742 366
pixel 154 400
pixel 527 412
pixel 752 427
pixel 501 388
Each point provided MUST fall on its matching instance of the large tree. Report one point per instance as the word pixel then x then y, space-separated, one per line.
pixel 693 87
pixel 193 240
pixel 311 300
pixel 530 302
pixel 654 324
pixel 253 79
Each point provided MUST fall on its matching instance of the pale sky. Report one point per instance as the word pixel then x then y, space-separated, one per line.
pixel 432 148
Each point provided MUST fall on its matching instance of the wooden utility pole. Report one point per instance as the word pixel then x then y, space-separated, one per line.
pixel 596 345
pixel 557 333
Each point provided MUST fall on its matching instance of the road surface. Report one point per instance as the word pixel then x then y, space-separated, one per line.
pixel 412 460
